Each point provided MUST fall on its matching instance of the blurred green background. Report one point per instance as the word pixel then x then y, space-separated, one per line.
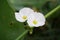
pixel 10 29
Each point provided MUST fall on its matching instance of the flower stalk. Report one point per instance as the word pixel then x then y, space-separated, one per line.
pixel 52 11
pixel 20 36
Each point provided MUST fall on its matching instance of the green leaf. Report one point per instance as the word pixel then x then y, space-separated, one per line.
pixel 10 29
pixel 26 3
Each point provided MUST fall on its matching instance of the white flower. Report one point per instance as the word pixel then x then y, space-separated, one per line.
pixel 36 19
pixel 23 14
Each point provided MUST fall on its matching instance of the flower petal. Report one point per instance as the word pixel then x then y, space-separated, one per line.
pixel 41 19
pixel 30 19
pixel 26 11
pixel 39 16
pixel 18 17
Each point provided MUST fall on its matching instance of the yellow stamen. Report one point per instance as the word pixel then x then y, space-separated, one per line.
pixel 35 22
pixel 24 17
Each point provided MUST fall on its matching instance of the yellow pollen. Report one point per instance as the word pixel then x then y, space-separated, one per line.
pixel 35 22
pixel 24 17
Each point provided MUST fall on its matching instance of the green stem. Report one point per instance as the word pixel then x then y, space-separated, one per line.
pixel 19 37
pixel 51 12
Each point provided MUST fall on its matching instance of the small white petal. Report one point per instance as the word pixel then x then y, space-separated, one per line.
pixel 41 19
pixel 29 21
pixel 26 10
pixel 18 17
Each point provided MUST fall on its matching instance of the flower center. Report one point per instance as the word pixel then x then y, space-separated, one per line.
pixel 24 17
pixel 35 22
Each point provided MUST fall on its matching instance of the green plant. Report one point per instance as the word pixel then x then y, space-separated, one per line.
pixel 10 29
